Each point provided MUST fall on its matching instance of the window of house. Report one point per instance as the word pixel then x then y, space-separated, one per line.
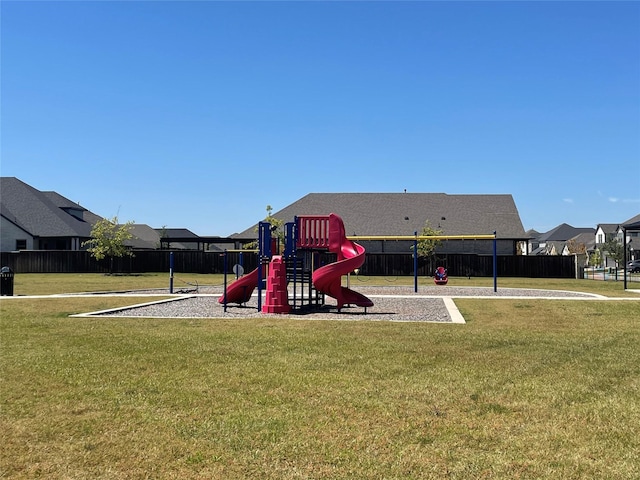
pixel 21 244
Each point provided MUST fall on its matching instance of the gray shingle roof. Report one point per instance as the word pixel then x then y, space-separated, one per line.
pixel 611 228
pixel 43 214
pixel 143 237
pixel 564 232
pixel 405 213
pixel 532 234
pixel 632 223
pixel 177 232
pixel 587 238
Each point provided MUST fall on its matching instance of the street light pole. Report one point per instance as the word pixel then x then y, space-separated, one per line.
pixel 624 256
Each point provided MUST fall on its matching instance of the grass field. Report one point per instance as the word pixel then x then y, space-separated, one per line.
pixel 48 284
pixel 526 389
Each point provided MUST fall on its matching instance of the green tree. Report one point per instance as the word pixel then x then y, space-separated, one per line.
pixel 108 240
pixel 614 249
pixel 277 225
pixel 163 234
pixel 277 229
pixel 427 247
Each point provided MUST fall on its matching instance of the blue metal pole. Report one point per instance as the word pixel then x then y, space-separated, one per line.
pixel 415 263
pixel 263 228
pixel 225 279
pixel 290 254
pixel 259 283
pixel 624 256
pixel 171 272
pixel 495 262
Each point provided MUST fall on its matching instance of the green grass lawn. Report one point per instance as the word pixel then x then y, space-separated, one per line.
pixel 526 389
pixel 47 284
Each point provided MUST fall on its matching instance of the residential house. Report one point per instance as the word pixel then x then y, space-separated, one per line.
pixel 532 241
pixel 35 220
pixel 559 240
pixel 147 238
pixel 39 220
pixel 404 214
pixel 581 243
pixel 632 229
pixel 607 232
pixel 186 239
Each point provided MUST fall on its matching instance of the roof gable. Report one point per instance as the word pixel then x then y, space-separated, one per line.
pixel 608 227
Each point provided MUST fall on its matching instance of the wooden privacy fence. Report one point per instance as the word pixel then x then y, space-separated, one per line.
pixel 194 261
pixel 470 265
pixel 64 261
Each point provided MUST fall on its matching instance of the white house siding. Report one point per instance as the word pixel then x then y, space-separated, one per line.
pixel 10 233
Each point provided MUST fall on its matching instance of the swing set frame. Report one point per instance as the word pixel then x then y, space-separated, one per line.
pixel 415 238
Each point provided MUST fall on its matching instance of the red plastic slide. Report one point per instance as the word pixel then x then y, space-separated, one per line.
pixel 240 290
pixel 328 279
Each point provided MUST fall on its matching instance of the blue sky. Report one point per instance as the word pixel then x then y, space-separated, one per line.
pixel 200 114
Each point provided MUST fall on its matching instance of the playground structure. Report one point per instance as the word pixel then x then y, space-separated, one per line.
pixel 306 236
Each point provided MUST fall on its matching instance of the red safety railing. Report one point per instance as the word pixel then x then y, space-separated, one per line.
pixel 313 231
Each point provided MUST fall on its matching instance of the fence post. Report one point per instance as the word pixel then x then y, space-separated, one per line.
pixel 224 268
pixel 171 272
pixel 415 262
pixel 495 262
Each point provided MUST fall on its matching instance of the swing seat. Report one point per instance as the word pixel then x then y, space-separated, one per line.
pixel 440 277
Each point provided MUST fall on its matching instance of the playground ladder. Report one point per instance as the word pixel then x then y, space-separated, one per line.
pixel 304 293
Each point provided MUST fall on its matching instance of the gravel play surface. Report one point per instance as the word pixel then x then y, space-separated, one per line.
pixel 430 304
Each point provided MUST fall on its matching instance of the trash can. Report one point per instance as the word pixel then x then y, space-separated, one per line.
pixel 6 281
